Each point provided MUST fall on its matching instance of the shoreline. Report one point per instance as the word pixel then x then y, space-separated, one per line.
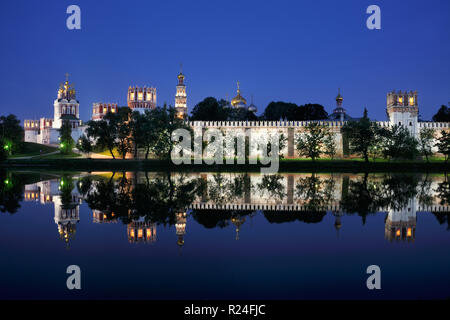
pixel 285 165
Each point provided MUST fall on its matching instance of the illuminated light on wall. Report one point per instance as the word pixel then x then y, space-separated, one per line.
pixel 140 96
pixel 411 101
pixel 132 233
pixel 140 233
pixel 409 233
pixel 131 95
pixel 400 100
pixel 398 233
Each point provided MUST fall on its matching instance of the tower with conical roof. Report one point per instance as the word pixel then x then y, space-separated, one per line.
pixel 180 227
pixel 181 97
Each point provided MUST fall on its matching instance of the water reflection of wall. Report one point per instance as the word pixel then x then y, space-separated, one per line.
pixel 302 197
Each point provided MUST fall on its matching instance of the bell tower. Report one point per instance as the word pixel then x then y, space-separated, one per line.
pixel 403 109
pixel 181 97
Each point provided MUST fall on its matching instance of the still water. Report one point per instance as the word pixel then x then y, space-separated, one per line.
pixel 146 235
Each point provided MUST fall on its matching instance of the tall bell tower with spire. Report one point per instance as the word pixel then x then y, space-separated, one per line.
pixel 181 97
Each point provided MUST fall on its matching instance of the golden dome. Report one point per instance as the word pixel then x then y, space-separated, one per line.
pixel 238 99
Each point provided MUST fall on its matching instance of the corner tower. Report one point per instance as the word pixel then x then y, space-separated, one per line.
pixel 403 109
pixel 181 98
pixel 141 98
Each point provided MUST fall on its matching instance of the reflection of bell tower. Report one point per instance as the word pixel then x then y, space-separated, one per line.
pixel 400 224
pixel 180 227
pixel 337 221
pixel 238 221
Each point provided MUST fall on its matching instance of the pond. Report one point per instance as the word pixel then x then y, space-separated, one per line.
pixel 162 235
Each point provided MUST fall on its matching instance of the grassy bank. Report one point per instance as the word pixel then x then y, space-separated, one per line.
pixel 286 165
pixel 30 149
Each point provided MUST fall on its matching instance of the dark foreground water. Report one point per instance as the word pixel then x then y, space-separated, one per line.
pixel 224 236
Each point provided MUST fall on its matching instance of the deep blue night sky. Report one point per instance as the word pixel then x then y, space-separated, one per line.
pixel 296 51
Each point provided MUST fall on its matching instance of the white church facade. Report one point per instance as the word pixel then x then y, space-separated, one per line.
pixel 66 108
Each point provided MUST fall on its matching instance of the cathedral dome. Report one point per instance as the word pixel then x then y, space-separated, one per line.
pixel 239 100
pixel 252 107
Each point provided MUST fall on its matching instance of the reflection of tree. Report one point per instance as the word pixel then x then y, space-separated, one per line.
pixel 368 196
pixel 11 192
pixel 315 192
pixel 222 190
pixel 443 192
pixel 424 196
pixel 157 199
pixel 289 216
pixel 443 218
pixel 360 198
pixel 396 190
pixel 218 218
pixel 273 186
pixel 65 188
pixel 84 185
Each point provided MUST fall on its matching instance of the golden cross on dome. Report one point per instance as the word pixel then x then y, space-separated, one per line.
pixel 238 85
pixel 67 77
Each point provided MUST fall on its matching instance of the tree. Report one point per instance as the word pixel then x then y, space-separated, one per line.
pixel 164 122
pixel 11 134
pixel 282 141
pixel 310 112
pixel 142 133
pixel 279 110
pixel 112 132
pixel 426 138
pixel 361 136
pixel 84 145
pixel 124 138
pixel 103 133
pixel 310 143
pixel 398 143
pixel 330 146
pixel 210 110
pixel 241 114
pixel 443 114
pixel 3 152
pixel 376 147
pixel 443 144
pixel 66 142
